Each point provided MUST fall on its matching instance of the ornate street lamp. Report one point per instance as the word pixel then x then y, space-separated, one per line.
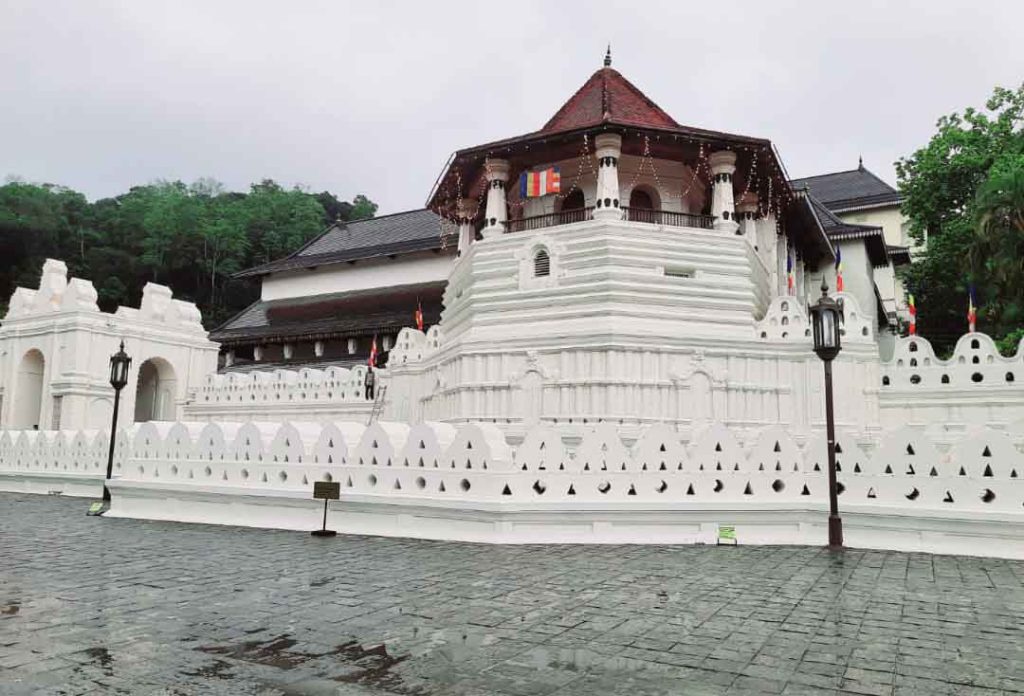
pixel 826 316
pixel 119 364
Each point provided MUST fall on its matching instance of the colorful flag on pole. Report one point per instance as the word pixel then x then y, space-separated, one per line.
pixel 790 276
pixel 419 315
pixel 373 352
pixel 839 269
pixel 913 314
pixel 534 184
pixel 972 310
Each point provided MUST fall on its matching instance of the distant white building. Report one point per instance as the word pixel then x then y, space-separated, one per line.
pixel 862 206
pixel 55 347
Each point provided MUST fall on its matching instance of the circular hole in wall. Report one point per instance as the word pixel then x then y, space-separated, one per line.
pixel 464 485
pixel 421 482
pixel 778 486
pixel 372 479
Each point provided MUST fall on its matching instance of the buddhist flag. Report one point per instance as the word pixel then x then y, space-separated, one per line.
pixel 373 352
pixel 913 314
pixel 419 315
pixel 839 269
pixel 972 310
pixel 534 184
pixel 790 277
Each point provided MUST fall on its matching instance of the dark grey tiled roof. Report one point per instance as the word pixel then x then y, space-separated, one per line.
pixel 352 313
pixel 400 233
pixel 850 190
pixel 838 231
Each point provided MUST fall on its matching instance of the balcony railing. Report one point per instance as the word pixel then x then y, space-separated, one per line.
pixel 667 217
pixel 566 217
pixel 655 217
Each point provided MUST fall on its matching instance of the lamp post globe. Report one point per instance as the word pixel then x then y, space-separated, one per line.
pixel 120 362
pixel 826 318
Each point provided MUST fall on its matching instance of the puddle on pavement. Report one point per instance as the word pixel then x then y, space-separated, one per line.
pixel 218 669
pixel 365 666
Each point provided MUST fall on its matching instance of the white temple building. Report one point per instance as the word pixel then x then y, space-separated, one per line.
pixel 623 357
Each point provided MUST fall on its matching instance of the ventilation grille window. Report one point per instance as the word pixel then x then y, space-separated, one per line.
pixel 541 264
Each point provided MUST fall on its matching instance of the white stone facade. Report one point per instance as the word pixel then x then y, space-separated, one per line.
pixel 55 348
pixel 634 324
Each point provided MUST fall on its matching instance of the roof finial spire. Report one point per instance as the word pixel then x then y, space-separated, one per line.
pixel 608 57
pixel 860 162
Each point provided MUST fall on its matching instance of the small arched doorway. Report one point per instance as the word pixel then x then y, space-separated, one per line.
pixel 28 395
pixel 155 391
pixel 643 205
pixel 573 207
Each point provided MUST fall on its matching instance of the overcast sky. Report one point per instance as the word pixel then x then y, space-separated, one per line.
pixel 372 97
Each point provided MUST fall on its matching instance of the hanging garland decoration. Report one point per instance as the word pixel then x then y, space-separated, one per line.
pixel 773 198
pixel 584 157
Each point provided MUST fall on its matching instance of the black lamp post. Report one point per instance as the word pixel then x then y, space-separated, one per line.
pixel 826 316
pixel 119 364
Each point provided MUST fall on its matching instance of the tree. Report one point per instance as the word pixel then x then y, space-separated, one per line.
pixel 941 184
pixel 334 210
pixel 997 253
pixel 362 207
pixel 192 237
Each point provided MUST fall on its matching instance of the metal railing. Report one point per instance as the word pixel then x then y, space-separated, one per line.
pixel 566 217
pixel 655 217
pixel 667 217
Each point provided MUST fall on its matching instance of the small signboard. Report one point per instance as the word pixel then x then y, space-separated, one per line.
pixel 326 490
pixel 727 534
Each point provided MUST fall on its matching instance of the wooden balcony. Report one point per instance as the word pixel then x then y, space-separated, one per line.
pixel 653 217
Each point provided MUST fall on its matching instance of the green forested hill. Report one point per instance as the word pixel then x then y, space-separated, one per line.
pixel 190 237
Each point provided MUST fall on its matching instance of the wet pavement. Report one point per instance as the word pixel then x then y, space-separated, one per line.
pixel 107 606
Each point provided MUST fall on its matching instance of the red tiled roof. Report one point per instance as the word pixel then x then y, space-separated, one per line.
pixel 608 97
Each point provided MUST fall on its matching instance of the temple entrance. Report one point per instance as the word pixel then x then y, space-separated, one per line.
pixel 28 397
pixel 155 391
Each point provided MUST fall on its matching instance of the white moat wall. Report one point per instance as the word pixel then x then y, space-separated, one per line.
pixel 432 480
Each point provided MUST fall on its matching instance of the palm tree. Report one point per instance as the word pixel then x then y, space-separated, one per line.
pixel 997 255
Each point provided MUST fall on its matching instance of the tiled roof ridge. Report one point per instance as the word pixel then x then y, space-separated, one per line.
pixel 605 76
pixel 806 179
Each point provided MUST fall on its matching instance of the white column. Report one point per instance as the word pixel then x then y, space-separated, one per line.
pixel 609 150
pixel 318 349
pixel 257 353
pixel 497 210
pixel 466 209
pixel 723 165
pixel 746 213
pixel 288 350
pixel 351 346
pixel 229 358
pixel 767 239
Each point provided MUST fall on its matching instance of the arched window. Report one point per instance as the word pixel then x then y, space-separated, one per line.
pixel 574 201
pixel 640 200
pixel 541 264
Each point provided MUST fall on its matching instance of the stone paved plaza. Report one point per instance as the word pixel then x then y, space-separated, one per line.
pixel 108 606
